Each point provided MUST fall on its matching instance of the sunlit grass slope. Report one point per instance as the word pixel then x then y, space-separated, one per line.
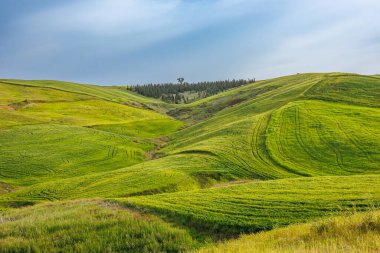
pixel 80 113
pixel 50 131
pixel 257 97
pixel 144 128
pixel 39 153
pixel 62 141
pixel 352 89
pixel 11 94
pixel 236 135
pixel 240 142
pixel 106 93
pixel 88 226
pixel 345 234
pixel 318 138
pixel 256 206
pixel 168 174
pixel 239 134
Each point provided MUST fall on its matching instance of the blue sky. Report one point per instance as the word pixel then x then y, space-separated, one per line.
pixel 112 42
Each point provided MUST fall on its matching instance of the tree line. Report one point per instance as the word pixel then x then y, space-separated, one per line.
pixel 183 92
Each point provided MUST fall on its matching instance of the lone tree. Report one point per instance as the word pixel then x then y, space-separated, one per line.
pixel 180 80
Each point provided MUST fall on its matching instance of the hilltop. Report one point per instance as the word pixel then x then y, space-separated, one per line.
pixel 256 157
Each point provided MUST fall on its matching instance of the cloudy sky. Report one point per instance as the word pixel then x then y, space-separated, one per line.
pixel 139 41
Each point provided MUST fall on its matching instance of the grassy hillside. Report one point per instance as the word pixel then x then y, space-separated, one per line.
pixel 83 226
pixel 31 154
pixel 56 130
pixel 347 234
pixel 236 134
pixel 240 134
pixel 105 93
pixel 257 157
pixel 167 174
pixel 352 89
pixel 12 94
pixel 319 138
pixel 79 113
pixel 256 206
pixel 241 142
pixel 258 97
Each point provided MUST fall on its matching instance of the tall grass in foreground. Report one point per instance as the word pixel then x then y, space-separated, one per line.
pixel 264 205
pixel 87 226
pixel 354 233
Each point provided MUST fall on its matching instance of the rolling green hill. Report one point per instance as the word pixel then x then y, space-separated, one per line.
pixel 106 93
pixel 319 138
pixel 242 134
pixel 257 157
pixel 239 142
pixel 72 151
pixel 50 132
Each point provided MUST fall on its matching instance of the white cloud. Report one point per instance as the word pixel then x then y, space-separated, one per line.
pixel 138 23
pixel 113 17
pixel 275 37
pixel 323 36
pixel 105 16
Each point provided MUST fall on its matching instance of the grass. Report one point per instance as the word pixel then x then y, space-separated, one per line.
pixel 255 98
pixel 79 113
pixel 53 130
pixel 143 129
pixel 168 174
pixel 104 93
pixel 276 152
pixel 257 206
pixel 314 138
pixel 351 89
pixel 83 226
pixel 232 145
pixel 239 135
pixel 72 151
pixel 358 232
pixel 236 134
pixel 11 94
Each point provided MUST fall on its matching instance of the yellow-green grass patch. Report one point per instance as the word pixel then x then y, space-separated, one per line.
pixel 82 226
pixel 354 233
pixel 319 138
pixel 265 205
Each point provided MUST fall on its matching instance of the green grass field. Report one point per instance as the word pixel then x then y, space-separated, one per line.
pixel 261 156
pixel 49 134
pixel 105 93
pixel 351 89
pixel 241 134
pixel 83 226
pixel 318 138
pixel 256 206
pixel 347 234
pixel 35 153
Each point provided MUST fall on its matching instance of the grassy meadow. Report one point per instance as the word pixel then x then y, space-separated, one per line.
pixel 83 226
pixel 318 138
pixel 256 206
pixel 358 232
pixel 102 168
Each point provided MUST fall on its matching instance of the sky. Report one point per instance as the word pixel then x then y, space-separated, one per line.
pixel 118 42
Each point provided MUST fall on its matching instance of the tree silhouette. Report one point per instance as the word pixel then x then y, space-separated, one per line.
pixel 180 80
